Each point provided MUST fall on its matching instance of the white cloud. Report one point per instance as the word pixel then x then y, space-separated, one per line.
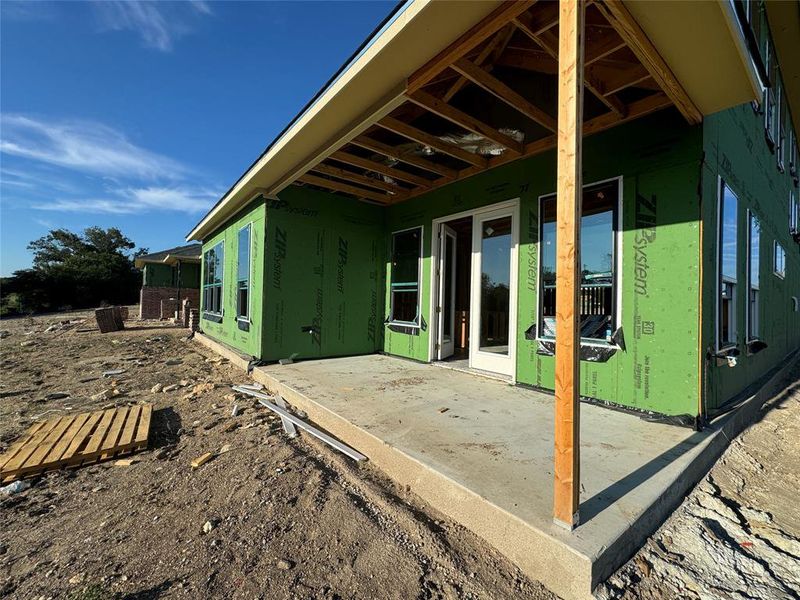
pixel 25 10
pixel 84 146
pixel 157 23
pixel 137 201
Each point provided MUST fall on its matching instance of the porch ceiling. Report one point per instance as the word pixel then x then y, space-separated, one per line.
pixel 386 129
pixel 490 97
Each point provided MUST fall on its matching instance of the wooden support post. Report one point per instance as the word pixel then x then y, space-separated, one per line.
pixel 569 191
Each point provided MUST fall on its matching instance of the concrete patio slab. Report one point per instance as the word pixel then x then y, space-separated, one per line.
pixel 487 459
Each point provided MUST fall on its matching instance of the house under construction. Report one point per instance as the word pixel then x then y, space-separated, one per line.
pixel 594 200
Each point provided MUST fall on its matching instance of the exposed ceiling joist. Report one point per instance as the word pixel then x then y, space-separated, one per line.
pixel 549 43
pixel 497 88
pixel 617 81
pixel 466 42
pixel 536 23
pixel 464 120
pixel 345 188
pixel 627 27
pixel 638 109
pixel 489 54
pixel 371 165
pixel 406 157
pixel 423 137
pixel 358 178
pixel 600 49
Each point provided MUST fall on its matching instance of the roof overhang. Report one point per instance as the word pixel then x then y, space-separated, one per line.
pixel 705 47
pixel 784 23
pixel 370 87
pixel 701 43
pixel 169 259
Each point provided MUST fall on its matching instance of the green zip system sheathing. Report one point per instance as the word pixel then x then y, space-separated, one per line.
pixel 324 284
pixel 736 149
pixel 160 275
pixel 320 263
pixel 659 161
pixel 229 330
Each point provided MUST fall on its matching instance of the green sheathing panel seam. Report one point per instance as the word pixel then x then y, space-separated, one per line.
pixel 736 150
pixel 659 160
pixel 324 281
pixel 229 331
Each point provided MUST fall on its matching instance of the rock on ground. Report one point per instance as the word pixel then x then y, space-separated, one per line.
pixel 737 535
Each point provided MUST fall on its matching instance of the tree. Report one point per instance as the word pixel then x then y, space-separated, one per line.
pixel 77 270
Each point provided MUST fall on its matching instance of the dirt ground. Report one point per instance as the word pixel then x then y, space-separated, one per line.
pixel 275 518
pixel 737 535
pixel 269 518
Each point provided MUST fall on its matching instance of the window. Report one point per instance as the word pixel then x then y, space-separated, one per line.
pixel 212 280
pixel 779 261
pixel 726 265
pixel 769 95
pixel 599 270
pixel 794 214
pixel 780 123
pixel 406 259
pixel 243 275
pixel 792 149
pixel 753 241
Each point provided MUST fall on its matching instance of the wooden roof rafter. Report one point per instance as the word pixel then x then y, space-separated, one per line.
pixel 629 30
pixel 368 143
pixel 493 23
pixel 464 120
pixel 376 167
pixel 500 90
pixel 549 43
pixel 346 188
pixel 489 54
pixel 423 137
pixel 358 178
pixel 615 60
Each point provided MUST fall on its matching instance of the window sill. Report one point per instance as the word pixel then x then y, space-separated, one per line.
pixel 594 351
pixel 755 346
pixel 214 317
pixel 243 324
pixel 406 328
pixel 724 354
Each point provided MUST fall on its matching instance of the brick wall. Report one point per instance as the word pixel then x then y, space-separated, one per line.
pixel 150 299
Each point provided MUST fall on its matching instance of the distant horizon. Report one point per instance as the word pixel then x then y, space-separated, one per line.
pixel 140 115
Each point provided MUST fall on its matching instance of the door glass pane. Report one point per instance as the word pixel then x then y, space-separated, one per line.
pixel 447 273
pixel 495 283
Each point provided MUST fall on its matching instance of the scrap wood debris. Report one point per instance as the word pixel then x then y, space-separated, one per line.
pixel 74 440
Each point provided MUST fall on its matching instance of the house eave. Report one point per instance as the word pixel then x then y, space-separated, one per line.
pixel 369 87
pixel 703 44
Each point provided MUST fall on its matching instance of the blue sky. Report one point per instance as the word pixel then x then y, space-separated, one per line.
pixel 140 115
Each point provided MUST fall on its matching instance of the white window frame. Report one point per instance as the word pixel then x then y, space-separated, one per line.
pixel 220 244
pixel 794 213
pixel 249 227
pixel 617 266
pixel 392 321
pixel 780 130
pixel 752 315
pixel 769 100
pixel 732 321
pixel 778 263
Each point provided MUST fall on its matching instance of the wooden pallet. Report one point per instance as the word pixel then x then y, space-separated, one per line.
pixel 75 440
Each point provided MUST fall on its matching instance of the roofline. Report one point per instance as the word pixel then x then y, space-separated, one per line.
pixel 368 41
